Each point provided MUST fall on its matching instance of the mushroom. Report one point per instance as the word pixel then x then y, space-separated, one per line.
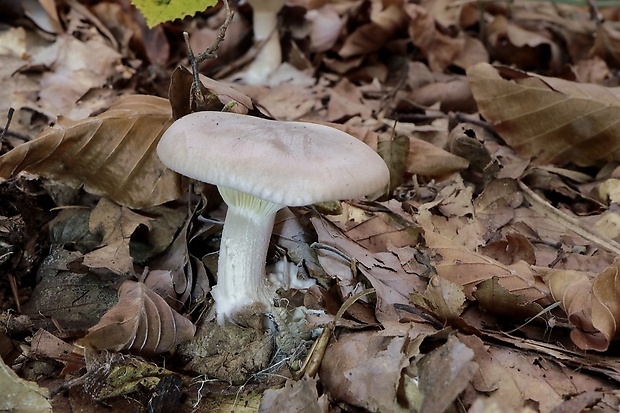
pixel 269 57
pixel 259 167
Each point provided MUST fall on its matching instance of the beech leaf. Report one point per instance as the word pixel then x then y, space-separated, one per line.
pixel 111 155
pixel 547 119
pixel 142 323
pixel 592 305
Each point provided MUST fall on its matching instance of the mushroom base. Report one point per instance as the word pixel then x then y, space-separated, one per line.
pixel 241 280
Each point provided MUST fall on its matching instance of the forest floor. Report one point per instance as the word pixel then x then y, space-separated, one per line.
pixel 484 278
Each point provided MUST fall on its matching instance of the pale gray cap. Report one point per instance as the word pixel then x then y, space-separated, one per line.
pixel 287 163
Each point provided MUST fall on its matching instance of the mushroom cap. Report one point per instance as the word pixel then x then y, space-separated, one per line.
pixel 287 163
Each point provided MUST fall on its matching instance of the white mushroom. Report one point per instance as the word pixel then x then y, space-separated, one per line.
pixel 269 57
pixel 260 166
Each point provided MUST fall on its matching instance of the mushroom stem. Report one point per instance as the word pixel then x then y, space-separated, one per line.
pixel 241 279
pixel 265 29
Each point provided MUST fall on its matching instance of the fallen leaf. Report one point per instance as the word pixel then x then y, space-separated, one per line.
pixel 364 369
pixel 20 395
pixel 428 160
pixel 142 323
pixel 444 373
pixel 468 268
pixel 441 50
pixel 514 379
pixel 295 397
pixel 498 300
pixel 111 155
pixel 372 36
pixel 383 270
pixel 510 43
pixel 592 305
pixel 443 299
pixel 116 224
pixel 548 119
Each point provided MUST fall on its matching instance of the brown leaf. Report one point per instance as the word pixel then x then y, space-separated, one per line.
pixel 454 95
pixel 496 205
pixel 607 43
pixel 216 94
pixel 382 269
pixel 593 306
pixel 444 373
pixel 514 248
pixel 116 224
pixel 468 268
pixel 295 397
pixel 513 379
pixel 112 154
pixel 498 300
pixel 364 369
pixel 370 37
pixel 429 160
pixel 142 323
pixel 441 50
pixel 513 44
pixel 548 119
pixel 443 298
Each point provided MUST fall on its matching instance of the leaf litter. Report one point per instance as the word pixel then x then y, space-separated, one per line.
pixel 482 280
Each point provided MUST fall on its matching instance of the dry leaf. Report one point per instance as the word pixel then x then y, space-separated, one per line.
pixel 116 224
pixel 364 369
pixel 299 396
pixel 443 299
pixel 370 37
pixel 429 160
pixel 20 395
pixel 383 269
pixel 512 379
pixel 444 373
pixel 548 119
pixel 498 300
pixel 592 305
pixel 112 154
pixel 142 323
pixel 468 268
pixel 513 44
pixel 440 49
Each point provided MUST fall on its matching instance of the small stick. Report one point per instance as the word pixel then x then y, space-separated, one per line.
pixel 196 94
pixel 9 117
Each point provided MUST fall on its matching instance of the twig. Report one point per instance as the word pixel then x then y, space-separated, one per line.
pixel 6 132
pixel 196 95
pixel 568 221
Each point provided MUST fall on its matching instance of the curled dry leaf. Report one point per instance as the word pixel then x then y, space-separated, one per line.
pixel 111 154
pixel 142 322
pixel 547 119
pixel 592 305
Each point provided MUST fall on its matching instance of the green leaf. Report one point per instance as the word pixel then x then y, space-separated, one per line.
pixel 159 11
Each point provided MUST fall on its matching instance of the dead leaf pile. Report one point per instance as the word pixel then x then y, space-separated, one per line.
pixel 484 279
